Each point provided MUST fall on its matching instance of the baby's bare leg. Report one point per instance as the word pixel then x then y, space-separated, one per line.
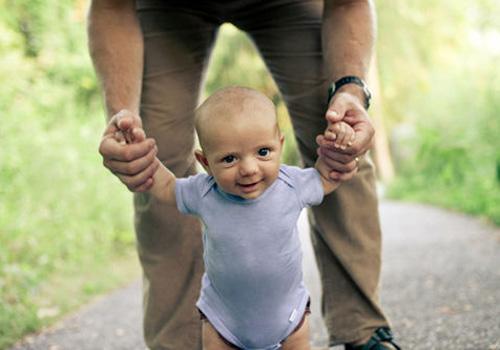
pixel 211 339
pixel 300 339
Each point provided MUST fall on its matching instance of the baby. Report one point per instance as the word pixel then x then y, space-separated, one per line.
pixel 252 295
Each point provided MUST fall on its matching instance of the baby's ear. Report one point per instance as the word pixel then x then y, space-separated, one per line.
pixel 200 157
pixel 282 139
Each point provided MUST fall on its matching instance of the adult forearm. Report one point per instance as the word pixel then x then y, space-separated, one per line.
pixel 116 48
pixel 348 35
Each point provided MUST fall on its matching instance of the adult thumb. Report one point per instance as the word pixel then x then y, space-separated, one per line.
pixel 336 110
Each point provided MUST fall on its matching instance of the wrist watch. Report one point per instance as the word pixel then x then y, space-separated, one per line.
pixel 350 79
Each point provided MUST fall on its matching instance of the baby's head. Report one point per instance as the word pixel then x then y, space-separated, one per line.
pixel 240 139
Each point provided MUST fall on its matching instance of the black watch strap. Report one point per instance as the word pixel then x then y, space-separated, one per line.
pixel 350 79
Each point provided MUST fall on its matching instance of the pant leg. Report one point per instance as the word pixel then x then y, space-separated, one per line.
pixel 345 227
pixel 177 46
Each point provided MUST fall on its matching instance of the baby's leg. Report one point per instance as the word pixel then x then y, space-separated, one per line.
pixel 299 340
pixel 211 339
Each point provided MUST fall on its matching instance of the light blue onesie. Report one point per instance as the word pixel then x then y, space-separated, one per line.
pixel 252 290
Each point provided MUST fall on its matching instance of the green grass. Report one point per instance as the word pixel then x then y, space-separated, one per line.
pixel 451 171
pixel 64 292
pixel 65 221
pixel 455 162
pixel 61 214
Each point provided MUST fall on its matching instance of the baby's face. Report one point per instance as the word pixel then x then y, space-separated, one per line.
pixel 243 155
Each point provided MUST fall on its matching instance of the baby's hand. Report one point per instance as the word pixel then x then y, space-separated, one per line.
pixel 130 136
pixel 339 135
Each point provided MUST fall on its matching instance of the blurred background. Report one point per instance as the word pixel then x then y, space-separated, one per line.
pixel 63 215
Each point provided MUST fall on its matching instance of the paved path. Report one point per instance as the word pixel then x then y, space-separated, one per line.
pixel 440 287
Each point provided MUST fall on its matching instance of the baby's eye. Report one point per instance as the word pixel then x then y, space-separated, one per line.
pixel 264 152
pixel 228 159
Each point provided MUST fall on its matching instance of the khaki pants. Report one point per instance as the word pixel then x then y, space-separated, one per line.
pixel 345 228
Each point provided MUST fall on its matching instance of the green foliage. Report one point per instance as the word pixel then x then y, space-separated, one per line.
pixel 439 72
pixel 62 213
pixel 60 210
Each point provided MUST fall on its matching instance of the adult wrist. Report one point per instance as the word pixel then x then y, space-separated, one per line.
pixel 113 110
pixel 353 85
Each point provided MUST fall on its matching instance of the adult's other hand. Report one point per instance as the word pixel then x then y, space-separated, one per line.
pixel 133 161
pixel 344 162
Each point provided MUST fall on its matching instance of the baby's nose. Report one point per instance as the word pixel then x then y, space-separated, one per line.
pixel 248 167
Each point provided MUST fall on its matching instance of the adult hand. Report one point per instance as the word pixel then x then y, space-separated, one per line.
pixel 344 162
pixel 133 162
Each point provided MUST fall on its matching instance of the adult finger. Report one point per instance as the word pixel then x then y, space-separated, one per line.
pixel 146 186
pixel 138 180
pixel 337 176
pixel 338 166
pixel 335 155
pixel 328 150
pixel 133 167
pixel 335 112
pixel 340 104
pixel 110 149
pixel 364 132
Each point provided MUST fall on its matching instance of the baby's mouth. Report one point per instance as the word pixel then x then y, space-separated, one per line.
pixel 249 187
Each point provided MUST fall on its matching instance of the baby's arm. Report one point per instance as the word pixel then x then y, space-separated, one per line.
pixel 342 135
pixel 163 187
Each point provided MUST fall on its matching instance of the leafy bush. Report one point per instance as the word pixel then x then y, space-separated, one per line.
pixel 61 213
pixel 457 149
